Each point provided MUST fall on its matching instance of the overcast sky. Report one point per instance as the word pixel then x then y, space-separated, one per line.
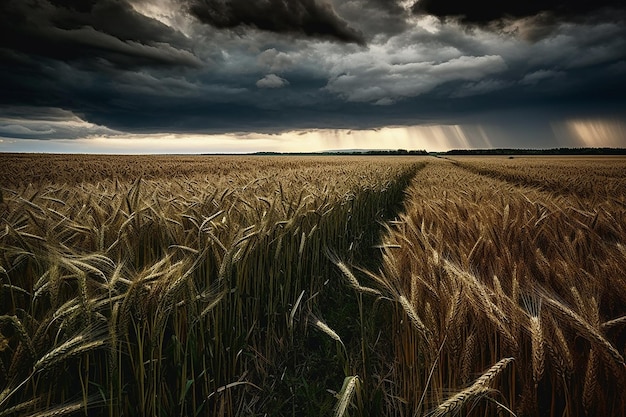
pixel 179 76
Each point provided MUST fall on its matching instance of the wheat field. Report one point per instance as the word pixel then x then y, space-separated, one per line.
pixel 361 286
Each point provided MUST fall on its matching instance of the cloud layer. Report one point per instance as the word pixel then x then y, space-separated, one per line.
pixel 485 11
pixel 108 67
pixel 307 17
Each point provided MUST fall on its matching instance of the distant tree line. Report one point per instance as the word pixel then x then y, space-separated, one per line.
pixel 458 152
pixel 374 152
pixel 553 151
pixel 396 152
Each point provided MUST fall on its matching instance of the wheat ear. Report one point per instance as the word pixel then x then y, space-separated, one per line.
pixel 59 411
pixel 455 404
pixel 586 330
pixel 591 382
pixel 413 317
pixel 32 404
pixel 345 395
pixel 536 336
pixel 349 276
pixel 326 329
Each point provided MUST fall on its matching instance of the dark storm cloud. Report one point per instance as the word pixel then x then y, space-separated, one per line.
pixel 373 17
pixel 46 123
pixel 314 18
pixel 76 68
pixel 67 53
pixel 90 32
pixel 486 11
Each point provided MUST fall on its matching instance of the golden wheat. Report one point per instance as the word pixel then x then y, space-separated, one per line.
pixel 181 285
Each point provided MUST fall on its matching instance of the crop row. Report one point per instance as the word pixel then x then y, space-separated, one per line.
pixel 480 271
pixel 184 296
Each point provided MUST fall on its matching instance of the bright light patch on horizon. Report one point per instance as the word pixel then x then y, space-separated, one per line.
pixel 431 138
pixel 598 133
